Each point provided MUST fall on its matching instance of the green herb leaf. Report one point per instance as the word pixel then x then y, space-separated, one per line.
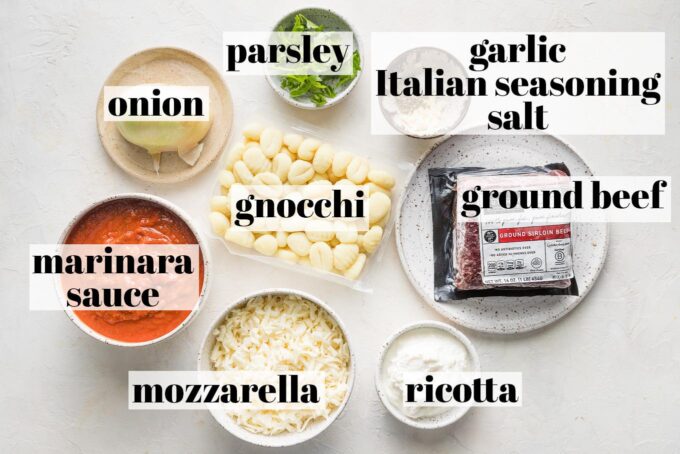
pixel 311 86
pixel 312 26
pixel 299 24
pixel 302 24
pixel 356 67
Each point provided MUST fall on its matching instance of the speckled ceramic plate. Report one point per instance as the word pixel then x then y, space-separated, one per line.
pixel 171 66
pixel 414 232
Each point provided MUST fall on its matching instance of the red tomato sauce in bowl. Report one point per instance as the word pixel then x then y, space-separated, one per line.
pixel 133 221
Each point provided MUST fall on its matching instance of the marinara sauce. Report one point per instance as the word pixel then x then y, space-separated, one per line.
pixel 133 221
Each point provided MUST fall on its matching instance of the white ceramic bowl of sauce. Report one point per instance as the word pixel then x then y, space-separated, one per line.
pixel 184 217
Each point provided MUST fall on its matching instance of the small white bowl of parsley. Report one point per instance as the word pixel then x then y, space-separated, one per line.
pixel 316 91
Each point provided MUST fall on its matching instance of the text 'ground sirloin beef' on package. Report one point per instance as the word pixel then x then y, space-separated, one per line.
pixel 493 255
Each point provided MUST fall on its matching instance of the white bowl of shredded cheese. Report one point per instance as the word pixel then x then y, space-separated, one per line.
pixel 280 330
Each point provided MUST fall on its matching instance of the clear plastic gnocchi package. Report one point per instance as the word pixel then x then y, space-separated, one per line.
pixel 270 152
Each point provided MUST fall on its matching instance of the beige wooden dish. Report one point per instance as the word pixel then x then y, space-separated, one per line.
pixel 170 66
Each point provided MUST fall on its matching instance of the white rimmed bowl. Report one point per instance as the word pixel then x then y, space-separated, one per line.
pixel 201 244
pixel 333 22
pixel 284 439
pixel 430 422
pixel 454 66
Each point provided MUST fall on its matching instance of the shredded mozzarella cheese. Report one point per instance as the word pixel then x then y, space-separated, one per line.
pixel 283 333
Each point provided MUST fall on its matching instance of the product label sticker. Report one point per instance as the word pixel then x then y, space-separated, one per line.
pixel 525 253
pixel 519 244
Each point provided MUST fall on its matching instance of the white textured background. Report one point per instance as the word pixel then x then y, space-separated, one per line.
pixel 603 379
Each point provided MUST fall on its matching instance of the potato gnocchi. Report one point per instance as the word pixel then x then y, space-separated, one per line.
pixel 268 156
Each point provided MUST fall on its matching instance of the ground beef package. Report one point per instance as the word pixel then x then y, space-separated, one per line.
pixel 477 258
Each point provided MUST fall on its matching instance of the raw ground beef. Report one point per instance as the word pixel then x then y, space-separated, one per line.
pixel 468 261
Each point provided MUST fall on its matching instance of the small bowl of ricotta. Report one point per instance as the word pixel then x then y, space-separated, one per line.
pixel 423 347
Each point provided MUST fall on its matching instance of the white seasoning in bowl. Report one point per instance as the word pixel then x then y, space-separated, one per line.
pixel 426 115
